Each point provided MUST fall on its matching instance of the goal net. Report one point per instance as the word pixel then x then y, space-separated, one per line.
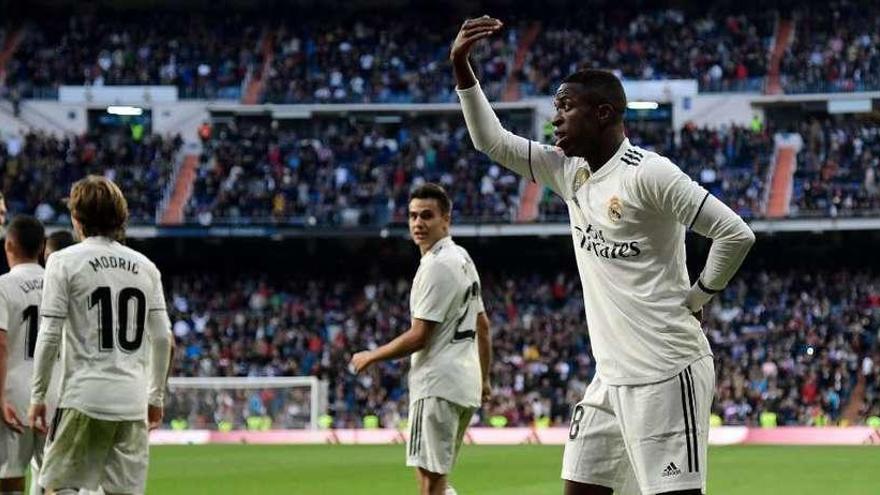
pixel 245 403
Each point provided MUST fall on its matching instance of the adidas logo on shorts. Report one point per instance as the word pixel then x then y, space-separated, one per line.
pixel 671 470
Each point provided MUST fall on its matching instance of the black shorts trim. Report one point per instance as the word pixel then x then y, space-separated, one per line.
pixel 689 379
pixel 687 425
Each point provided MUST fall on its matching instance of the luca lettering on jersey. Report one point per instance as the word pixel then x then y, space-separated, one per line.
pixel 593 240
pixel 31 285
pixel 120 263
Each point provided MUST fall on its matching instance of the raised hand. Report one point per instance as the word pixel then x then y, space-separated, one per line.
pixel 471 31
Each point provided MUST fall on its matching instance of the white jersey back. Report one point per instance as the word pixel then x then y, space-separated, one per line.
pixel 446 290
pixel 20 293
pixel 104 290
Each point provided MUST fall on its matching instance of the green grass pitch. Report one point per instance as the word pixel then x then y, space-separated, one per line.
pixel 487 470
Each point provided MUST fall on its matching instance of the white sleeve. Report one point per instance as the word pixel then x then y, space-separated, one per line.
pixel 481 308
pixel 55 290
pixel 664 187
pixel 156 302
pixel 4 311
pixel 161 341
pixel 54 313
pixel 45 354
pixel 434 294
pixel 530 159
pixel 731 241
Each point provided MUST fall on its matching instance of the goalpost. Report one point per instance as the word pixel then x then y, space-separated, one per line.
pixel 226 403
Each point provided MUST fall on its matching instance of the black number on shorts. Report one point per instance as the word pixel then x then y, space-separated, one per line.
pixel 30 317
pixel 462 335
pixel 102 298
pixel 576 418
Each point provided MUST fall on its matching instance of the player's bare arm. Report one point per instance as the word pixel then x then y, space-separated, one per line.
pixel 403 345
pixel 10 418
pixel 484 341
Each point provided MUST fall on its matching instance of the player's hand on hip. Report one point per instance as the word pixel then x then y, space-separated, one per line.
pixel 154 416
pixel 37 418
pixel 361 361
pixel 471 31
pixel 10 417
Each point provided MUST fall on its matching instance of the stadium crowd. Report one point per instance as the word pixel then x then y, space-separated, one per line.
pixel 37 170
pixel 790 343
pixel 837 169
pixel 343 172
pixel 373 60
pixel 836 47
pixel 385 57
pixel 722 52
pixel 356 173
pixel 205 57
pixel 347 173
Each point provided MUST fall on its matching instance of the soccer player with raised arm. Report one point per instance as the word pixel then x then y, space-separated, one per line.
pixel 644 419
pixel 448 340
pixel 117 349
pixel 20 295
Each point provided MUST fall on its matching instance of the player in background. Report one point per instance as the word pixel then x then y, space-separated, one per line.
pixel 644 419
pixel 117 349
pixel 3 212
pixel 20 296
pixel 448 340
pixel 55 241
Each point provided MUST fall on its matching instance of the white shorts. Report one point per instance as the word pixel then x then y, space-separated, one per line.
pixel 436 430
pixel 643 439
pixel 88 453
pixel 17 450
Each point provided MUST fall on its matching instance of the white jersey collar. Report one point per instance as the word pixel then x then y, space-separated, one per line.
pixel 440 245
pixel 98 239
pixel 612 162
pixel 24 266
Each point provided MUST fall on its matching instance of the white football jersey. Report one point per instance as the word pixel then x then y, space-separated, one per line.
pixel 446 290
pixel 104 291
pixel 628 223
pixel 20 293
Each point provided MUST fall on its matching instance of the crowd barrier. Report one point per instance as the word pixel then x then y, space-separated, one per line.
pixel 723 435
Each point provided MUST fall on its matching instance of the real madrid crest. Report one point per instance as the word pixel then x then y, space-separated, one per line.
pixel 580 177
pixel 615 209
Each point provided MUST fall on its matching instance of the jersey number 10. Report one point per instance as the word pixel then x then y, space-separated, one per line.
pixel 102 298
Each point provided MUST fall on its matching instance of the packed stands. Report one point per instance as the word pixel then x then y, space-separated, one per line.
pixel 38 169
pixel 784 341
pixel 837 169
pixel 836 48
